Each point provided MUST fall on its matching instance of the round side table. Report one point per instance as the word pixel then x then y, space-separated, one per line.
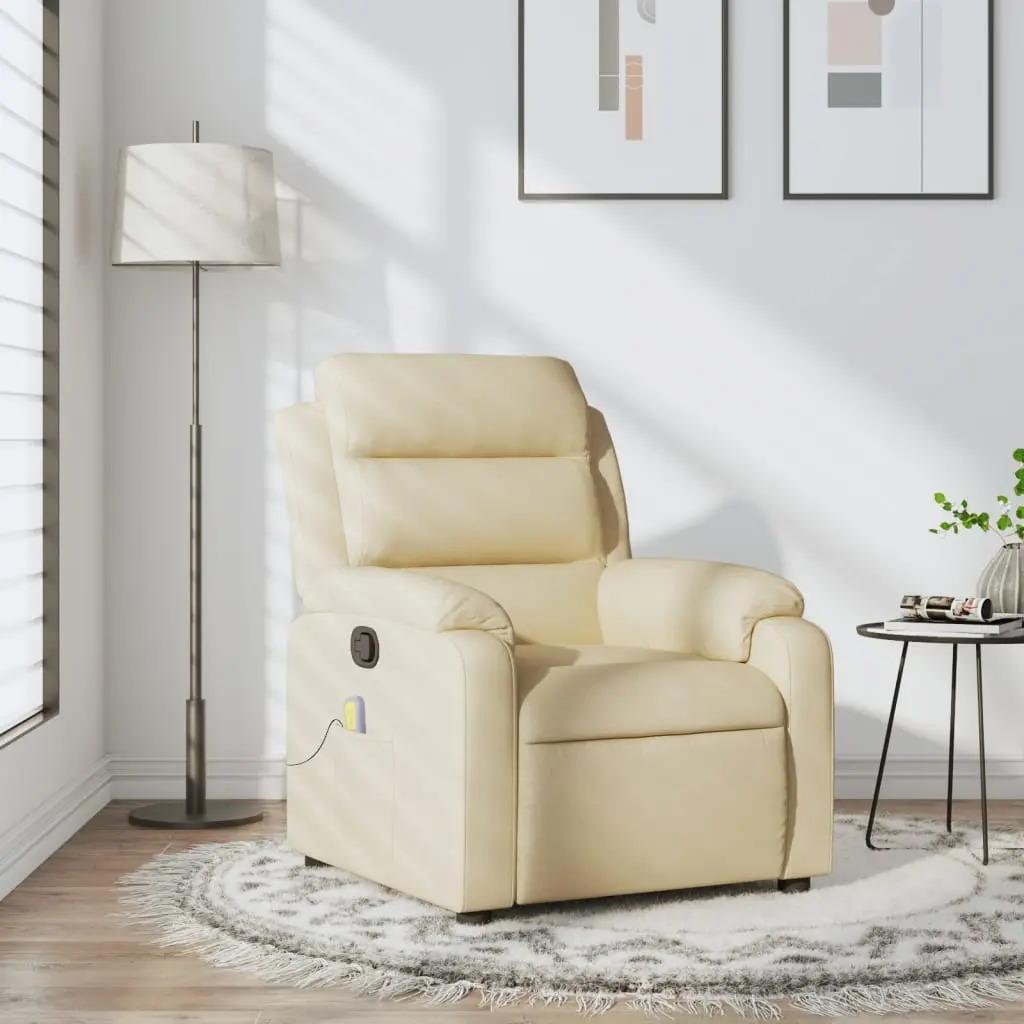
pixel 875 631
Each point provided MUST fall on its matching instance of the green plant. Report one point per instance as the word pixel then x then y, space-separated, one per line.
pixel 1008 524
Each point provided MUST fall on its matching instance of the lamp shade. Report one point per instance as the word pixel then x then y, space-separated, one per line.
pixel 195 202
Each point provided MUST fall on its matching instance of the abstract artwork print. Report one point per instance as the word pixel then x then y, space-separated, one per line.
pixel 622 99
pixel 888 99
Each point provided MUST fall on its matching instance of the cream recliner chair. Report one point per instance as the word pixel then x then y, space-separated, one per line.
pixel 489 701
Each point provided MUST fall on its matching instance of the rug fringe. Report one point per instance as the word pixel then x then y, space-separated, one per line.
pixel 961 994
pixel 152 893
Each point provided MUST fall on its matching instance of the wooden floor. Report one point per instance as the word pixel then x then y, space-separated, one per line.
pixel 64 959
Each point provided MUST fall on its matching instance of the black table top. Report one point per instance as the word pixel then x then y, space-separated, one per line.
pixel 876 631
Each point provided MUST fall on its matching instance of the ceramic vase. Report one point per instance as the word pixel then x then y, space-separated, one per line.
pixel 1003 579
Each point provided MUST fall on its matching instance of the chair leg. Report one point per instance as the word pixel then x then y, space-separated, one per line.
pixel 474 917
pixel 794 885
pixel 312 862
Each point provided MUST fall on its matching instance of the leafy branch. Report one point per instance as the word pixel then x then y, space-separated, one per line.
pixel 1008 524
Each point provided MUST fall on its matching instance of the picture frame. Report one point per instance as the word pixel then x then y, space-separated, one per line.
pixel 708 178
pixel 854 81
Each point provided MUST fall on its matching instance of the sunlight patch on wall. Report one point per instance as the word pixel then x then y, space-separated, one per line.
pixel 354 117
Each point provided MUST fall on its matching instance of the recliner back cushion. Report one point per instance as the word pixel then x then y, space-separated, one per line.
pixel 412 512
pixel 460 460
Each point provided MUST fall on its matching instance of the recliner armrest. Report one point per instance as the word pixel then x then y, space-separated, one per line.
pixel 703 608
pixel 797 656
pixel 416 599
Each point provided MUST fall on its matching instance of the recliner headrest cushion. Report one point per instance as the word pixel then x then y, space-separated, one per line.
pixel 451 406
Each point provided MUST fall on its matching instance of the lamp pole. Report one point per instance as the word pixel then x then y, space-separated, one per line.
pixel 195 714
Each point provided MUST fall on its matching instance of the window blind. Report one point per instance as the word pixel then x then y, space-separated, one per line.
pixel 28 330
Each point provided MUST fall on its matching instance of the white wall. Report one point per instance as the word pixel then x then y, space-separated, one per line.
pixel 787 383
pixel 55 778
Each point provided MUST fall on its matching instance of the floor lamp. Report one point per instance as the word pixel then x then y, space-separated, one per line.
pixel 195 205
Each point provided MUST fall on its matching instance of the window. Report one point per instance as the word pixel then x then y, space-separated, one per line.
pixel 28 362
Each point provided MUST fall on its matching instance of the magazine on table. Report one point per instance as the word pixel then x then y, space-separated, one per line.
pixel 948 609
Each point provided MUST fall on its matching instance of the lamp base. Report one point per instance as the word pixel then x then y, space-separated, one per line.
pixel 216 814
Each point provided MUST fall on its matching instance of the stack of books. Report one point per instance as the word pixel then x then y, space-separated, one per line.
pixel 967 618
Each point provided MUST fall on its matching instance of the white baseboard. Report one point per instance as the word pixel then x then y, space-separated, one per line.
pixel 924 778
pixel 163 778
pixel 263 778
pixel 39 835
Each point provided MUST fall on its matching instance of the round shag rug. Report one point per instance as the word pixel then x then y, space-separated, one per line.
pixel 919 926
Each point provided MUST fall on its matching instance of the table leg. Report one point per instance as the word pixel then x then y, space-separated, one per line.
pixel 952 732
pixel 885 746
pixel 981 752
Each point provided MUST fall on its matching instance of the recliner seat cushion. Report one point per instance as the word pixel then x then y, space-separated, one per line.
pixel 584 692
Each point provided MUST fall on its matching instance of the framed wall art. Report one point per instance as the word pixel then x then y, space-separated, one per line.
pixel 623 99
pixel 888 99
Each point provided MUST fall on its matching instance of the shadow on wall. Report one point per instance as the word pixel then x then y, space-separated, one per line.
pixel 736 531
pixel 864 734
pixel 917 765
